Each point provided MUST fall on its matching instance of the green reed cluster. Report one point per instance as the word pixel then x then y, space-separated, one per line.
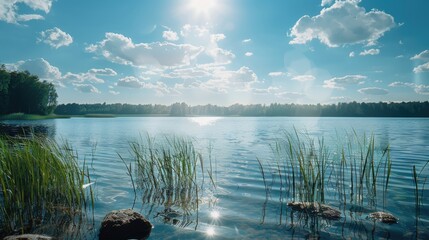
pixel 168 170
pixel 39 180
pixel 355 169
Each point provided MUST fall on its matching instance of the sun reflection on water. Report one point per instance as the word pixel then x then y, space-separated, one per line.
pixel 210 231
pixel 204 121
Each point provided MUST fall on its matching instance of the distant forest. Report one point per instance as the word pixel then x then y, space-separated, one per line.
pixel 352 109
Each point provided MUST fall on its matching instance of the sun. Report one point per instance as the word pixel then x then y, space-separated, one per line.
pixel 202 7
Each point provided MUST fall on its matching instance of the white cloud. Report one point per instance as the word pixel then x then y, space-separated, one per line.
pixel 81 77
pixel 399 56
pixel 373 91
pixel 170 35
pixel 422 68
pixel 351 54
pixel 45 71
pixel 372 51
pixel 290 95
pixel 208 41
pixel 86 88
pixel 248 40
pixel 418 88
pixel 341 82
pixel 55 38
pixel 104 72
pixel 304 78
pixel 9 10
pixel 217 37
pixel 39 67
pixel 339 98
pixel 342 23
pixel 130 82
pixel 248 54
pixel 421 56
pixel 276 74
pixel 120 49
pixel 187 73
pixel 114 92
pixel 224 80
pixel 326 2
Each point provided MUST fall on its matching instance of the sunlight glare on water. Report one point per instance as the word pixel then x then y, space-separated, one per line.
pixel 204 121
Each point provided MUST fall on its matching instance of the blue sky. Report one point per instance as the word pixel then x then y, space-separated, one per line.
pixel 221 51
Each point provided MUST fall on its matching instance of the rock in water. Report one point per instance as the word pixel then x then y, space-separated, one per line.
pixel 318 209
pixel 124 224
pixel 384 217
pixel 28 237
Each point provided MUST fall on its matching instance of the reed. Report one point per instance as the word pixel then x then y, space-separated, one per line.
pixel 168 171
pixel 40 180
pixel 308 170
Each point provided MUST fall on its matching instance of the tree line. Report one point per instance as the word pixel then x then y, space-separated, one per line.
pixel 25 93
pixel 352 109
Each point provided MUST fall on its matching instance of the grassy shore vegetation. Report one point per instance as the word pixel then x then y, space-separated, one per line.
pixel 23 116
pixel 169 171
pixel 40 182
pixel 356 170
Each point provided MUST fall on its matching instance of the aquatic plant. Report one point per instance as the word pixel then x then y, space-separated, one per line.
pixel 419 187
pixel 168 171
pixel 40 180
pixel 363 168
pixel 305 169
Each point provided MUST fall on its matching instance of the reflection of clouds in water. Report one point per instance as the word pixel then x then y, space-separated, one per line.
pixel 204 121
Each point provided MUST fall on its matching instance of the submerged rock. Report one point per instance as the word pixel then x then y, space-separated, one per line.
pixel 28 237
pixel 318 209
pixel 124 224
pixel 384 217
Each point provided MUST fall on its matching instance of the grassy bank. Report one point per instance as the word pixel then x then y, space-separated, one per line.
pixel 40 182
pixel 23 116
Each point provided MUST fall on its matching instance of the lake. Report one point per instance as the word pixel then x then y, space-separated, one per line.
pixel 240 206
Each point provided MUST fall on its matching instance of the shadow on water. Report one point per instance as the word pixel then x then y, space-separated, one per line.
pixel 14 129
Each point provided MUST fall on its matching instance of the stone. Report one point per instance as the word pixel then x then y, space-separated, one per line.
pixel 124 224
pixel 384 217
pixel 28 237
pixel 316 208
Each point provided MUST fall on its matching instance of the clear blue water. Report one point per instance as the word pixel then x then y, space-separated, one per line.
pixel 238 207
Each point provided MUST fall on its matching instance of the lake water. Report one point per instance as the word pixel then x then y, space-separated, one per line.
pixel 238 208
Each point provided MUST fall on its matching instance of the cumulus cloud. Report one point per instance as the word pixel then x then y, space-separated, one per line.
pixel 86 88
pixel 342 23
pixel 418 88
pixel 422 68
pixel 130 82
pixel 351 54
pixel 9 10
pixel 187 73
pixel 421 56
pixel 372 51
pixel 103 71
pixel 342 82
pixel 113 92
pixel 55 38
pixel 45 71
pixel 248 40
pixel 248 54
pixel 170 35
pixel 303 78
pixel 277 74
pixel 326 2
pixel 39 67
pixel 120 49
pixel 208 41
pixel 373 91
pixel 223 80
pixel 290 95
